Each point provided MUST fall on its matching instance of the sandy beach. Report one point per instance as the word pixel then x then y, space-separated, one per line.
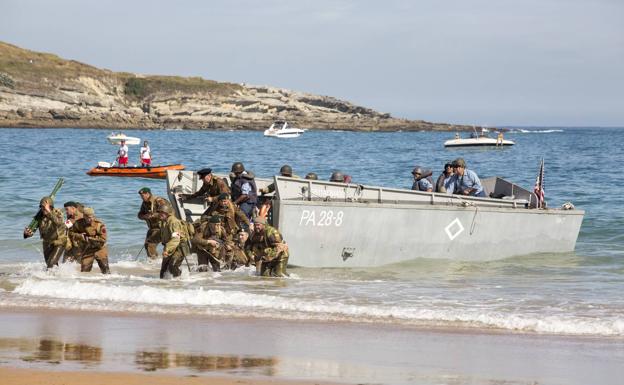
pixel 70 348
pixel 12 376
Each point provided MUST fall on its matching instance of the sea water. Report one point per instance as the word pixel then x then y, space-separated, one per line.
pixel 577 293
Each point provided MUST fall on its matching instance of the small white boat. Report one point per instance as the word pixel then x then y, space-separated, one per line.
pixel 477 140
pixel 280 129
pixel 117 138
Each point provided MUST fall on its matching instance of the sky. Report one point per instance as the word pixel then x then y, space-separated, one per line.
pixel 483 62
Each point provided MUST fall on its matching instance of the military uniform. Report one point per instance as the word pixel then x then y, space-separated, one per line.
pixel 70 249
pixel 90 242
pixel 233 217
pixel 210 242
pixel 52 231
pixel 174 237
pixel 148 213
pixel 238 255
pixel 211 189
pixel 270 252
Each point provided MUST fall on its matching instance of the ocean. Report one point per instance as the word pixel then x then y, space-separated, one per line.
pixel 571 294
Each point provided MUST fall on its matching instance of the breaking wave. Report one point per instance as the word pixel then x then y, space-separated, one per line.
pixel 525 131
pixel 95 296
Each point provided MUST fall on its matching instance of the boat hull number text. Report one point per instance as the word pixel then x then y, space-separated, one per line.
pixel 321 218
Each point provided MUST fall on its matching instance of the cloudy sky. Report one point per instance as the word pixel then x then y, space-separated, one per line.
pixel 486 62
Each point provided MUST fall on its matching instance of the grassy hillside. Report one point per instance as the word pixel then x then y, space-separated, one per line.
pixel 21 68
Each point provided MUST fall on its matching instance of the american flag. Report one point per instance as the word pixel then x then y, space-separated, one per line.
pixel 539 186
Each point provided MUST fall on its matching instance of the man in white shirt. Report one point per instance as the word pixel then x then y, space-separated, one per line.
pixel 122 154
pixel 146 155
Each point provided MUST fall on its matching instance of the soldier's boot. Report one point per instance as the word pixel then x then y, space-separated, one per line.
pixel 280 268
pixel 103 264
pixel 53 256
pixel 226 257
pixel 216 265
pixel 150 249
pixel 266 268
pixel 164 266
pixel 86 264
pixel 174 266
pixel 202 261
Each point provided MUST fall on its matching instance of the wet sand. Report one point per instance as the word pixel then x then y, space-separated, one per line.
pixel 117 348
pixel 12 376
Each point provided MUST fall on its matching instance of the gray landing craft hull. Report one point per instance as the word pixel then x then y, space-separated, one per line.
pixel 336 225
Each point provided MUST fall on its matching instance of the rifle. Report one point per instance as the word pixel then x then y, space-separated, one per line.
pixel 37 218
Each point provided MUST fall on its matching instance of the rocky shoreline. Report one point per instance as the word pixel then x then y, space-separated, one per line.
pixel 43 90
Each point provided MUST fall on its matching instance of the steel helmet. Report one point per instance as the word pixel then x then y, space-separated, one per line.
pixel 286 170
pixel 165 208
pixel 311 176
pixel 417 170
pixel 237 167
pixel 45 200
pixel 336 176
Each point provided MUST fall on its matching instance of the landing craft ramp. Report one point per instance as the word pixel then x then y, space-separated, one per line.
pixel 330 224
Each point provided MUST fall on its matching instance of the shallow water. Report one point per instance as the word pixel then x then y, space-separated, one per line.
pixel 573 293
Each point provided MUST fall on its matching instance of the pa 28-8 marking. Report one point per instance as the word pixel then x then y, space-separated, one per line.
pixel 321 218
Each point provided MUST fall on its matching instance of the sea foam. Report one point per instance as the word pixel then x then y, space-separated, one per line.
pixel 200 300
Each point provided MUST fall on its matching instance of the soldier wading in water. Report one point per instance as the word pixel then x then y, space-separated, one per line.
pixel 174 237
pixel 150 216
pixel 52 231
pixel 268 249
pixel 88 235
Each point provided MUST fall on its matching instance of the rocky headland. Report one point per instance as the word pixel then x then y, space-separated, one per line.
pixel 43 90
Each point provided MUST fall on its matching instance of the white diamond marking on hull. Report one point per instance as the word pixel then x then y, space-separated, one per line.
pixel 454 229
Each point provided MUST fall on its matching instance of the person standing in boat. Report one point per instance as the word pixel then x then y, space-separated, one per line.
pixel 464 181
pixel 146 155
pixel 52 231
pixel 444 179
pixel 286 171
pixel 422 180
pixel 148 213
pixel 122 154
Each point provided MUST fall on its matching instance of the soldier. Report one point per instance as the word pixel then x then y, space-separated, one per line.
pixel 210 189
pixel 444 178
pixel 52 231
pixel 235 172
pixel 174 237
pixel 268 249
pixel 337 176
pixel 150 216
pixel 422 180
pixel 247 193
pixel 73 212
pixel 286 171
pixel 210 241
pixel 89 236
pixel 238 256
pixel 465 181
pixel 234 218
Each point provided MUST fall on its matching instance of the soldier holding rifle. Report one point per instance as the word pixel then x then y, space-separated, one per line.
pixel 52 230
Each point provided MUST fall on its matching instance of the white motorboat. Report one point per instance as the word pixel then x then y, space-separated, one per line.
pixel 479 139
pixel 116 138
pixel 281 129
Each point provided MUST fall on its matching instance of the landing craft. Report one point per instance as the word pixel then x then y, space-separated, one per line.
pixel 328 224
